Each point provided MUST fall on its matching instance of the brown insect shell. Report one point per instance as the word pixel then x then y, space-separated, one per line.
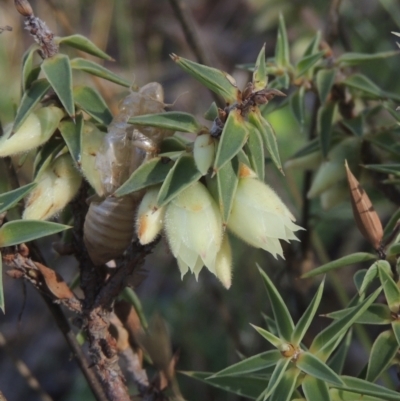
pixel 109 227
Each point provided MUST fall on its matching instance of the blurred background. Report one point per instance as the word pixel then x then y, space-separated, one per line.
pixel 208 325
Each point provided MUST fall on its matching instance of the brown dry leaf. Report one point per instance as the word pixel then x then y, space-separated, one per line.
pixel 55 283
pixel 366 218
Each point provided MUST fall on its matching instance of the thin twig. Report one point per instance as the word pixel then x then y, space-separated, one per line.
pixel 185 19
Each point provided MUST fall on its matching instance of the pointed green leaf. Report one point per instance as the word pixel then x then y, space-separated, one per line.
pixel 337 264
pixel 57 70
pixel 19 231
pixel 324 339
pixel 11 198
pixel 150 173
pixel 324 80
pixel 313 366
pixel 286 387
pixel 304 323
pixel 30 72
pixel 355 125
pixel 218 81
pixel 71 132
pixel 390 288
pixel 280 82
pixel 227 181
pixel 30 99
pixel 271 338
pixel 396 330
pixel 130 296
pixel 358 278
pixel 382 353
pixel 341 395
pixel 233 138
pixel 2 304
pixel 324 125
pixel 336 363
pixel 276 377
pixel 90 101
pixel 172 120
pixel 361 386
pixel 248 386
pixel 268 135
pixel 81 42
pixel 297 105
pixel 282 57
pixel 364 84
pixel 315 389
pixel 255 151
pixel 282 316
pixel 260 78
pixel 375 314
pixel 391 224
pixel 182 175
pixel 307 62
pixel 172 144
pixel 212 113
pixel 46 154
pixel 351 59
pixel 252 364
pixel 370 276
pixel 313 46
pixel 99 71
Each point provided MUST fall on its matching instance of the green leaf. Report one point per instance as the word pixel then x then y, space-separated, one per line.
pixel 396 330
pixel 282 57
pixel 313 46
pixel 392 168
pixel 280 82
pixel 248 386
pixel 304 322
pixel 369 277
pixel 341 262
pixel 271 338
pixel 217 81
pixel 391 224
pixel 227 181
pixel 337 361
pixel 233 138
pixel 150 173
pixel 72 132
pixel 315 389
pixel 252 364
pixel 358 278
pixel 324 125
pixel 57 70
pixel 382 353
pixel 355 125
pixel 341 395
pixel 11 198
pixel 2 304
pixel 361 386
pixel 99 71
pixel 255 151
pixel 364 84
pixel 212 113
pixel 297 105
pixel 172 120
pixel 30 72
pixel 29 100
pixel 276 377
pixel 81 42
pixel 90 101
pixel 260 78
pixel 46 154
pixel 172 144
pixel 390 288
pixel 129 295
pixel 282 316
pixel 375 314
pixel 322 344
pixel 313 366
pixel 268 135
pixel 307 62
pixel 286 387
pixel 351 59
pixel 182 175
pixel 19 231
pixel 324 80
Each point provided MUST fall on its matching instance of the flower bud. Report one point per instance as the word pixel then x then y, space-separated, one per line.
pixel 193 226
pixel 260 218
pixel 223 263
pixel 36 130
pixel 204 152
pixel 149 219
pixel 23 7
pixel 57 185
